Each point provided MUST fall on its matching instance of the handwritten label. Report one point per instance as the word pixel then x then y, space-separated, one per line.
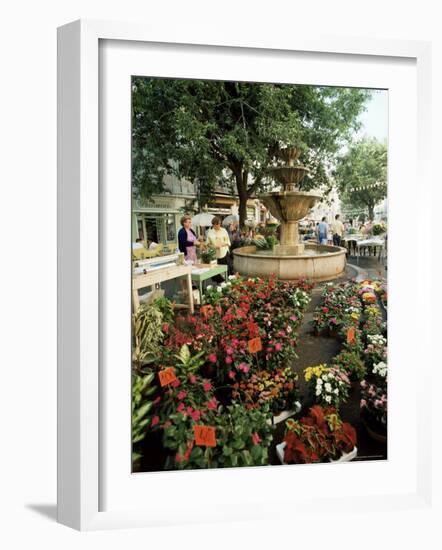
pixel 204 436
pixel 167 376
pixel 255 345
pixel 206 311
pixel 351 335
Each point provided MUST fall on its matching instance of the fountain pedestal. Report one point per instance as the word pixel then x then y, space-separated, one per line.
pixel 291 259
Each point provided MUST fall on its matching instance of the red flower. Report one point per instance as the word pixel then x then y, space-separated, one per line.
pixel 180 407
pixel 325 309
pixel 207 386
pixel 212 404
pixel 196 415
pixel 212 358
pixel 175 383
pixel 255 438
pixel 155 421
pixel 231 374
pixel 192 378
pixel 228 359
pixel 182 394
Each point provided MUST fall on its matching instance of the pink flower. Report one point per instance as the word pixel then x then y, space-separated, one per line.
pixel 229 351
pixel 155 421
pixel 278 346
pixel 175 383
pixel 293 318
pixel 192 378
pixel 212 403
pixel 212 358
pixel 196 415
pixel 231 374
pixel 244 367
pixel 180 407
pixel 189 410
pixel 255 438
pixel 363 403
pixel 182 394
pixel 228 359
pixel 207 386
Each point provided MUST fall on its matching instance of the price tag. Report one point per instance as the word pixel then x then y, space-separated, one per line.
pixel 351 335
pixel 204 436
pixel 167 376
pixel 255 345
pixel 206 311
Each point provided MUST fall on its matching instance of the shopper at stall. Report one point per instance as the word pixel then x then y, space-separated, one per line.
pixel 322 231
pixel 187 240
pixel 337 230
pixel 218 238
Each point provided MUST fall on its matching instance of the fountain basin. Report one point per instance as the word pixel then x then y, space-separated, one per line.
pixel 317 263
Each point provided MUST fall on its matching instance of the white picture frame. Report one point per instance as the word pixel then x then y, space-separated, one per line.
pixel 80 437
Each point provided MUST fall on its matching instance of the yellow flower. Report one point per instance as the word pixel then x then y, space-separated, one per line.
pixel 316 372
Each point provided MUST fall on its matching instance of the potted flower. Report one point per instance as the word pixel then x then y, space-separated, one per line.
pixel 277 389
pixel 351 362
pixel 328 385
pixel 321 436
pixel 374 410
pixel 208 255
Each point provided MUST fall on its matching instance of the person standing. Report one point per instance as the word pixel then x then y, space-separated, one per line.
pixel 322 231
pixel 218 238
pixel 337 230
pixel 187 240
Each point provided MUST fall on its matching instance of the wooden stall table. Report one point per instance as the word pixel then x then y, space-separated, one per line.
pixel 202 272
pixel 157 275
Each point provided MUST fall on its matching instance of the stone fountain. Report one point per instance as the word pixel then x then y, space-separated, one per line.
pixel 291 259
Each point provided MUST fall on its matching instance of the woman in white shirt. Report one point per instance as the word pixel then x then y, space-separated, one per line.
pixel 218 238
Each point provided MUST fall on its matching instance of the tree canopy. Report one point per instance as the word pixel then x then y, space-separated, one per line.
pixel 361 174
pixel 209 131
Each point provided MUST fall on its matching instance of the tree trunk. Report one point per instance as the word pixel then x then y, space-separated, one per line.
pixel 241 179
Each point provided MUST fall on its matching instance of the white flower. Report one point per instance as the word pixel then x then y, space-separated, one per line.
pixel 209 287
pixel 336 391
pixel 219 289
pixel 223 285
pixel 319 382
pixel 318 391
pixel 328 398
pixel 231 277
pixel 328 387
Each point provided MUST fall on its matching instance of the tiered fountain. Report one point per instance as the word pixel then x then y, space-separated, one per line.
pixel 290 259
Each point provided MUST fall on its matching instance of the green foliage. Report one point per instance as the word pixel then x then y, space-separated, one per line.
pixel 142 388
pixel 208 255
pixel 147 334
pixel 165 307
pixel 361 174
pixel 212 131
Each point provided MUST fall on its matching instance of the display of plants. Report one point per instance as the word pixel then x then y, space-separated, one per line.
pixel 277 389
pixel 328 385
pixel 236 437
pixel 207 384
pixel 376 350
pixel 374 406
pixel 379 228
pixel 352 363
pixel 318 437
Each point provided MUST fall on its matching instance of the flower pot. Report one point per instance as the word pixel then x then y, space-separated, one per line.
pixel 346 457
pixel 283 415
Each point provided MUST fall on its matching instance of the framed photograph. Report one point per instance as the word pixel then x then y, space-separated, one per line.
pixel 229 218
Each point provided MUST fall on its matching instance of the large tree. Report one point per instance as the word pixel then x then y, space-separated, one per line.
pixel 207 131
pixel 361 174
